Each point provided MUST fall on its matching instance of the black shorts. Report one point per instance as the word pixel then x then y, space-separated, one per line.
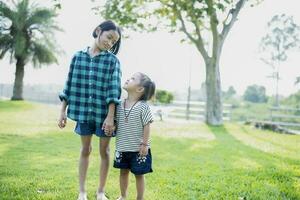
pixel 137 164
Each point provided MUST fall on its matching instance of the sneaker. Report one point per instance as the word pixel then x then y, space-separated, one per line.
pixel 101 196
pixel 82 196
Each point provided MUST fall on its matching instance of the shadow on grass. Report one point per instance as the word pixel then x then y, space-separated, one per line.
pixel 290 148
pixel 227 142
pixel 277 181
pixel 44 167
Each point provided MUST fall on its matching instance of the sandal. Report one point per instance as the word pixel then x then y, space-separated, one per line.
pixel 101 196
pixel 82 196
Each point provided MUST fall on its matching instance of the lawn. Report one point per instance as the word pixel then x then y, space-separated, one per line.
pixel 192 161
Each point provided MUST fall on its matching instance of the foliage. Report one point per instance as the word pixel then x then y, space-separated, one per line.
pixel 292 100
pixel 282 37
pixel 229 93
pixel 247 111
pixel 164 96
pixel 255 94
pixel 27 32
pixel 193 18
pixel 56 4
pixel 205 24
pixel 149 15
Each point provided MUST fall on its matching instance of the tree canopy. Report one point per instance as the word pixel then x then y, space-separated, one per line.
pixel 205 23
pixel 27 35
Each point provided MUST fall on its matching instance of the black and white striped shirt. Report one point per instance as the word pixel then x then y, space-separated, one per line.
pixel 130 133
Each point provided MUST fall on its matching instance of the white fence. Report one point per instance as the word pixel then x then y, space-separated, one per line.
pixel 180 110
pixel 31 94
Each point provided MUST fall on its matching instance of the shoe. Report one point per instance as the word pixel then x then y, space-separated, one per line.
pixel 82 196
pixel 121 198
pixel 101 196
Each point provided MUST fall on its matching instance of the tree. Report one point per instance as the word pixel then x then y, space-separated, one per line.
pixel 255 94
pixel 27 34
pixel 194 18
pixel 282 37
pixel 297 80
pixel 292 100
pixel 164 96
pixel 229 93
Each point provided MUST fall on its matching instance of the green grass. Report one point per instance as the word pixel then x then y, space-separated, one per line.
pixel 192 161
pixel 247 110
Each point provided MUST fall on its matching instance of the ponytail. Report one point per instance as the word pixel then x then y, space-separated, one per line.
pixel 149 87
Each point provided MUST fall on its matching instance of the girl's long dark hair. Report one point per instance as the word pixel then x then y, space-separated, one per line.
pixel 107 26
pixel 149 87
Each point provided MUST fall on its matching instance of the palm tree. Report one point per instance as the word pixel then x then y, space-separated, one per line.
pixel 27 34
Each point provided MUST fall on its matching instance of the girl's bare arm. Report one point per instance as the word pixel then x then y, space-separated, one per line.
pixel 62 121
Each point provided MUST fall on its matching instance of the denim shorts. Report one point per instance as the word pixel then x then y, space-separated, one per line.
pixel 132 160
pixel 90 128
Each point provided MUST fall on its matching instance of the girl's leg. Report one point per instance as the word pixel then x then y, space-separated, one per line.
pixel 140 186
pixel 104 154
pixel 86 149
pixel 124 177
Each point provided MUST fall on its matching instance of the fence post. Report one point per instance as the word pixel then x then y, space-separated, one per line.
pixel 1 90
pixel 188 104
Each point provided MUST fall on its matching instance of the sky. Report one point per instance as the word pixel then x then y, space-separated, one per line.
pixel 167 61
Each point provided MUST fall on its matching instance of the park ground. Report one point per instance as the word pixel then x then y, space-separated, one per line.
pixel 191 161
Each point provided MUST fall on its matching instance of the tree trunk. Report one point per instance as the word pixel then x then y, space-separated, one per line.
pixel 214 113
pixel 18 84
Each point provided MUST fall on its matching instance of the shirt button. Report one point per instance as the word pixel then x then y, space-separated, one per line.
pixel 90 97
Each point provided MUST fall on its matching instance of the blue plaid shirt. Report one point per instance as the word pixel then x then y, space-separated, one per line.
pixel 92 84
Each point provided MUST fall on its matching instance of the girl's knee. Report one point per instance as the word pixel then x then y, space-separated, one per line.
pixel 86 151
pixel 139 177
pixel 124 172
pixel 104 152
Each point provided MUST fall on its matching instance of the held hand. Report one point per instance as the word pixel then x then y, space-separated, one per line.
pixel 110 133
pixel 143 150
pixel 62 121
pixel 108 126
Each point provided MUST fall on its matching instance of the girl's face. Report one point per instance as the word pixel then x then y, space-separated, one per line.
pixel 133 84
pixel 107 39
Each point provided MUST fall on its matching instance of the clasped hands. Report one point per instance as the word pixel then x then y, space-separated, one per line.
pixel 109 126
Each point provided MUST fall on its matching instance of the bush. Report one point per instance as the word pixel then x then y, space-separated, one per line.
pixel 164 96
pixel 255 94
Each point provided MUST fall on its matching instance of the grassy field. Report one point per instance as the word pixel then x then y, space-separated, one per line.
pixel 192 161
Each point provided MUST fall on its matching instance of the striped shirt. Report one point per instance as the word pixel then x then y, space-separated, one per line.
pixel 130 134
pixel 92 83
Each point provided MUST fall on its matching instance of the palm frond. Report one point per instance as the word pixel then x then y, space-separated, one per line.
pixel 5 44
pixel 42 54
pixel 7 12
pixel 23 11
pixel 41 17
pixel 29 35
pixel 23 7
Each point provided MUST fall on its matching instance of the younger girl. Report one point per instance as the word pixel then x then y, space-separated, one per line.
pixel 91 94
pixel 133 131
